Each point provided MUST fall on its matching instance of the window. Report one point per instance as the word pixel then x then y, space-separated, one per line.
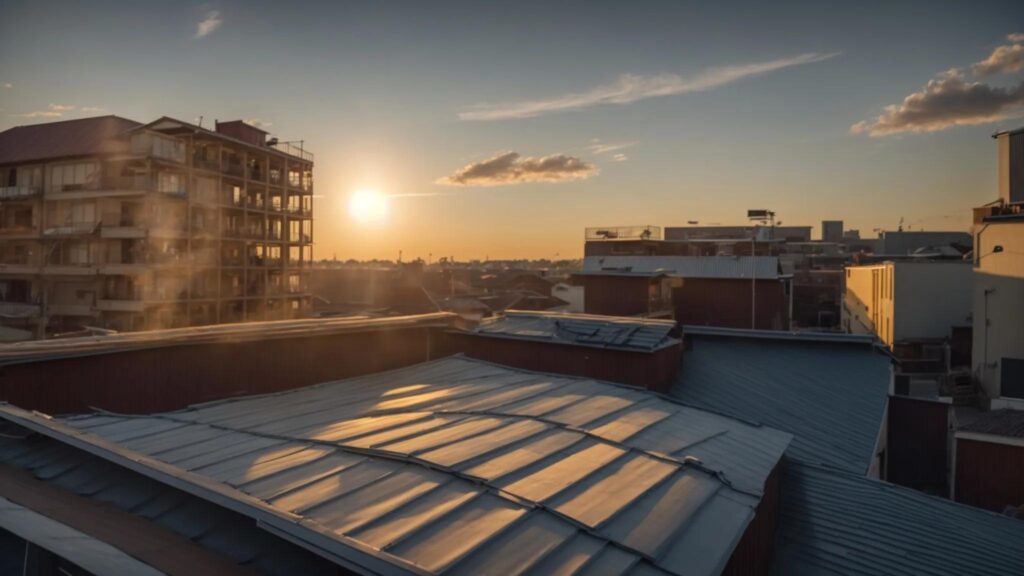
pixel 294 283
pixel 294 178
pixel 79 176
pixel 169 182
pixel 78 253
pixel 82 213
pixel 168 148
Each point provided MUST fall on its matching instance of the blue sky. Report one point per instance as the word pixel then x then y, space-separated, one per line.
pixel 382 93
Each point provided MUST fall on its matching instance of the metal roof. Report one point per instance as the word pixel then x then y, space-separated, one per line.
pixel 582 330
pixel 64 139
pixel 219 541
pixel 837 523
pixel 238 332
pixel 829 394
pixel 84 551
pixel 1008 423
pixel 712 267
pixel 456 464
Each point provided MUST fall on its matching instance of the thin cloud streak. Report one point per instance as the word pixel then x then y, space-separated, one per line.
pixel 511 168
pixel 632 88
pixel 208 25
pixel 605 148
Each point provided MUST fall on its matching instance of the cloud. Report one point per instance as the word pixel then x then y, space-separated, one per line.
pixel 91 109
pixel 52 111
pixel 620 157
pixel 259 123
pixel 511 168
pixel 208 25
pixel 1005 59
pixel 8 85
pixel 945 101
pixel 632 88
pixel 599 147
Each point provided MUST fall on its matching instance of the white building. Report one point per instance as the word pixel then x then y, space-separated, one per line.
pixel 998 349
pixel 907 300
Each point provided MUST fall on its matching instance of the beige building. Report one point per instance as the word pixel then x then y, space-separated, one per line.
pixel 907 300
pixel 998 348
pixel 106 222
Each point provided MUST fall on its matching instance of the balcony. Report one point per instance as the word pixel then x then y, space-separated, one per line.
pixel 73 229
pixel 117 305
pixel 122 232
pixel 19 192
pixel 19 310
pixel 205 164
pixel 234 169
pixel 18 230
pixel 292 150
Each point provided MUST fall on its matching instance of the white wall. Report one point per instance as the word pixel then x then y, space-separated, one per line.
pixel 999 315
pixel 931 298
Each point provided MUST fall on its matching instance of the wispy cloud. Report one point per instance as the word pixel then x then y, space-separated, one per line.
pixel 631 88
pixel 91 109
pixel 52 111
pixel 620 157
pixel 511 168
pixel 951 99
pixel 209 24
pixel 599 147
pixel 8 85
pixel 259 123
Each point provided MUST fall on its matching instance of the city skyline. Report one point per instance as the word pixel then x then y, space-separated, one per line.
pixel 494 132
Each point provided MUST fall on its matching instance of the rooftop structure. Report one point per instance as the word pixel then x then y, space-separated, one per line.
pixel 829 390
pixel 707 267
pixel 640 334
pixel 106 222
pixel 457 464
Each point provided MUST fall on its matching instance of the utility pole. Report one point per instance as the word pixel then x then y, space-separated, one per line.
pixel 760 215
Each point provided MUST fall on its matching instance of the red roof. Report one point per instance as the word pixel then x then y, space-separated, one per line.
pixel 69 138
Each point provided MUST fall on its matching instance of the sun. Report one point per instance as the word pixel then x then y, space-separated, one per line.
pixel 368 206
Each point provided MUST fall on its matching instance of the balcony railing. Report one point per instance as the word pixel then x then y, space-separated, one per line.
pixel 623 233
pixel 234 169
pixel 18 192
pixel 72 229
pixel 293 150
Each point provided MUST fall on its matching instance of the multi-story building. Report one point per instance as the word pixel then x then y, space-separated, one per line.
pixel 832 231
pixel 998 362
pixel 111 223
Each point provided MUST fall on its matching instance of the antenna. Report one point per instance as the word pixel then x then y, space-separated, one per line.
pixel 200 121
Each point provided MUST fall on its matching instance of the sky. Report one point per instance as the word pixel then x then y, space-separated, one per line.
pixel 504 129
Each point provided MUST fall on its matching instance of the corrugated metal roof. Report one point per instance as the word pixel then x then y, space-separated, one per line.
pixel 722 267
pixel 582 330
pixel 1008 423
pixel 455 464
pixel 237 332
pixel 68 138
pixel 232 536
pixel 837 523
pixel 830 395
pixel 84 551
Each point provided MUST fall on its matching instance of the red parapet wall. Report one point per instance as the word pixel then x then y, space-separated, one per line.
pixel 989 475
pixel 753 555
pixel 171 377
pixel 651 370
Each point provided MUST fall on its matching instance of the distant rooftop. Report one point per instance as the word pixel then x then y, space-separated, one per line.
pixel 458 465
pixel 1008 423
pixel 64 139
pixel 582 330
pixel 714 267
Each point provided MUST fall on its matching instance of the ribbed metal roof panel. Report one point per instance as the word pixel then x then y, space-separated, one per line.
pixel 831 396
pixel 582 330
pixel 838 523
pixel 415 468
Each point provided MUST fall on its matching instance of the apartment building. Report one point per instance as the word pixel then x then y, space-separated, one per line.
pixel 998 362
pixel 107 222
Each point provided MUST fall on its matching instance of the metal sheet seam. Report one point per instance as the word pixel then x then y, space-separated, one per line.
pixel 365 557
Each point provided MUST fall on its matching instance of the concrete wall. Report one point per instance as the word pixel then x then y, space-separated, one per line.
pixel 998 301
pixel 905 301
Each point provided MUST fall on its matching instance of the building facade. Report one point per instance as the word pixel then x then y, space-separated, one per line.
pixel 106 222
pixel 998 350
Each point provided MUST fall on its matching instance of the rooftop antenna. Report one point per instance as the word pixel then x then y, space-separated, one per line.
pixel 900 227
pixel 200 121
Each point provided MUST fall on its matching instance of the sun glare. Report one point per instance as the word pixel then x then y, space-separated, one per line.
pixel 368 206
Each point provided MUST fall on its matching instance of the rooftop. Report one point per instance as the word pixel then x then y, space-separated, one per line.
pixel 456 464
pixel 1009 423
pixel 829 390
pixel 64 139
pixel 843 523
pixel 718 267
pixel 582 330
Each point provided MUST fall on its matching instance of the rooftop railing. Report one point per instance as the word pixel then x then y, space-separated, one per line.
pixel 292 150
pixel 623 233
pixel 17 192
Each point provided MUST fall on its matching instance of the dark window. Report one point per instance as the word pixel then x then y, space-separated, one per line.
pixel 1012 377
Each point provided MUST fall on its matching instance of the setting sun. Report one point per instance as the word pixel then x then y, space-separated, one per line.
pixel 368 206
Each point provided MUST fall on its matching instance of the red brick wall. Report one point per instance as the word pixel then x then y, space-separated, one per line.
pixel 718 302
pixel 989 475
